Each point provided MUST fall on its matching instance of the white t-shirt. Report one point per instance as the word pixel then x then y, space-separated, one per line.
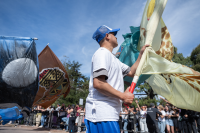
pixel 123 115
pixel 162 119
pixel 100 107
pixel 58 108
pixel 143 114
pixel 169 113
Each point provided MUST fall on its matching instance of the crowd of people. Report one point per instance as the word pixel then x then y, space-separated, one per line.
pixel 70 118
pixel 160 119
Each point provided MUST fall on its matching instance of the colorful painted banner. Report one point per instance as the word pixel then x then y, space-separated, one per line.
pixel 53 79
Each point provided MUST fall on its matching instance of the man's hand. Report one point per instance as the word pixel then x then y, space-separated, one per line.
pixel 143 48
pixel 127 97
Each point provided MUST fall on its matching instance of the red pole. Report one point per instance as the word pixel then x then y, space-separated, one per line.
pixel 132 88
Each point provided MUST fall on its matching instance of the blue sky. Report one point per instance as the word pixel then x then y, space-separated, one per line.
pixel 68 25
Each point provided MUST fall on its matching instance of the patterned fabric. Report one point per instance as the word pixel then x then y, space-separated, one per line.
pixel 53 79
pixel 179 84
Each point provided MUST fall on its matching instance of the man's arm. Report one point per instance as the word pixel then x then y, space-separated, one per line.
pixel 103 87
pixel 136 101
pixel 157 111
pixel 135 65
pixel 132 111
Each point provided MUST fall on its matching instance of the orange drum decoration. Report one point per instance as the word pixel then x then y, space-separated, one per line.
pixel 53 79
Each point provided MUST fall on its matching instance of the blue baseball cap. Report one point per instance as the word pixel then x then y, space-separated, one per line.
pixel 100 33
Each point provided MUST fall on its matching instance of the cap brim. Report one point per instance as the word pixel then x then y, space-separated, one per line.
pixel 115 31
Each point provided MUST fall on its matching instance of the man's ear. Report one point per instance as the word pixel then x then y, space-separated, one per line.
pixel 107 36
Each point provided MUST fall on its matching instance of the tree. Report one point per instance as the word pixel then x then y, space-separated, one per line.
pixel 179 58
pixel 146 88
pixel 195 58
pixel 79 84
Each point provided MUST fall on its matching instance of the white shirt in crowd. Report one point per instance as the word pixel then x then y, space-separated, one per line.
pixel 169 113
pixel 50 109
pixel 143 114
pixel 162 119
pixel 98 106
pixel 126 116
pixel 123 115
pixel 58 108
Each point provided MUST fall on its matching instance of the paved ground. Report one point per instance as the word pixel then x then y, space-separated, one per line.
pixel 27 129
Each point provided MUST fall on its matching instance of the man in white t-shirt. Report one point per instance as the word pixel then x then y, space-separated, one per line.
pixel 106 87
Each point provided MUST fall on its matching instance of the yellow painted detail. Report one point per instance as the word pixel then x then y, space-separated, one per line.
pixel 150 8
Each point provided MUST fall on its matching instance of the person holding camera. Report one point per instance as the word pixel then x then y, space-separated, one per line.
pixel 132 118
pixel 72 118
pixel 169 121
pixel 143 113
pixel 174 118
pixel 81 114
pixel 62 112
pixel 161 119
pixel 66 119
pixel 125 120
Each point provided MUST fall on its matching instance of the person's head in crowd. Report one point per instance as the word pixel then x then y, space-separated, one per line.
pixel 167 108
pixel 175 109
pixel 72 106
pixel 142 107
pixel 160 107
pixel 167 104
pixel 132 108
pixel 137 109
pixel 63 105
pixel 69 105
pixel 77 106
pixel 58 105
pixel 179 110
pixel 81 107
pixel 126 110
pixel 123 109
pixel 39 107
pixel 152 105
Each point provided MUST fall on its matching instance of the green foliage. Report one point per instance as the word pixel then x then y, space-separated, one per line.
pixel 195 58
pixel 146 101
pixel 179 58
pixel 147 89
pixel 149 96
pixel 79 84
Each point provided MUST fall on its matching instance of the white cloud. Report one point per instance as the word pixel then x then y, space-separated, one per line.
pixel 83 51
